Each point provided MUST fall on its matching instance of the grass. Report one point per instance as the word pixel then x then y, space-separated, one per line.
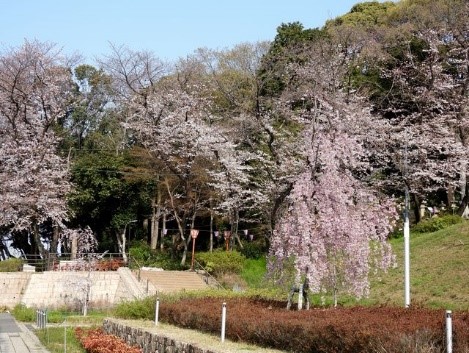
pixel 253 272
pixel 439 265
pixel 61 323
pixel 438 271
pixel 60 339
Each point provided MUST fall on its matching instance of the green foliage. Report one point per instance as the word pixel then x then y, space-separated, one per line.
pixel 141 254
pixel 220 262
pixel 436 223
pixel 11 265
pixel 23 313
pixel 291 38
pixel 368 13
pixel 54 339
pixel 254 272
pixel 137 309
pixel 253 250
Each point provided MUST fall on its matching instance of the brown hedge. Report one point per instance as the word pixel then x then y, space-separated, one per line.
pixel 332 330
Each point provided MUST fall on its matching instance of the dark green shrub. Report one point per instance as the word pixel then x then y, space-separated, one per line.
pixel 220 261
pixel 436 223
pixel 137 309
pixel 11 265
pixel 253 250
pixel 141 254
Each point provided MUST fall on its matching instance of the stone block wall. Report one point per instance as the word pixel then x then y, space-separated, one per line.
pixel 56 289
pixel 150 342
pixel 12 287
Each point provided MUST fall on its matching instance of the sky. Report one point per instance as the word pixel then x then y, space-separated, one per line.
pixel 170 29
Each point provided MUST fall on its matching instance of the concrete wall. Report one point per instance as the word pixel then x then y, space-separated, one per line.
pixel 12 287
pixel 56 289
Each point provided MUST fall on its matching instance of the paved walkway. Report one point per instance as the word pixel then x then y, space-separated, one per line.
pixel 16 338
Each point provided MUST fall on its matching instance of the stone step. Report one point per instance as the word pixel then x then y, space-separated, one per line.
pixel 174 281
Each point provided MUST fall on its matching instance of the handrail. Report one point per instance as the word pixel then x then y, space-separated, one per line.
pixel 51 261
pixel 208 277
pixel 132 259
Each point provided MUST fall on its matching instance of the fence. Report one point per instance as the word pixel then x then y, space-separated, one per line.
pixel 67 262
pixel 41 318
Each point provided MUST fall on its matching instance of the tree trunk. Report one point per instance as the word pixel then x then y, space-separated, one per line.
pixel 416 208
pixel 121 242
pixel 211 227
pixel 53 247
pixel 74 248
pixel 234 230
pixel 163 231
pixel 464 201
pixel 155 219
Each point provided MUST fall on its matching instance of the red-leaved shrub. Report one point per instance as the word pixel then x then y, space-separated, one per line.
pixel 96 341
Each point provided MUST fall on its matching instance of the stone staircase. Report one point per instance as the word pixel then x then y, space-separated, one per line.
pixel 51 289
pixel 136 288
pixel 174 281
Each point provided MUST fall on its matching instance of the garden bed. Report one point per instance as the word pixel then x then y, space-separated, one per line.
pixel 358 329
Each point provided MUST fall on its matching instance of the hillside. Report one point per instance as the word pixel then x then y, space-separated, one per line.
pixel 439 271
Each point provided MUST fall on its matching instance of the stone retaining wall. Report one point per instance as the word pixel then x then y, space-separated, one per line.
pixel 150 342
pixel 59 289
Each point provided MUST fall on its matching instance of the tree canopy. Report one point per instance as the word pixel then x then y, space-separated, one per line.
pixel 307 142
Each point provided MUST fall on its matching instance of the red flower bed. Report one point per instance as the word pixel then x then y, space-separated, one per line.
pixel 359 329
pixel 96 341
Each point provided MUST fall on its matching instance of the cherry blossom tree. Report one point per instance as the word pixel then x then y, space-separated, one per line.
pixel 417 80
pixel 35 90
pixel 331 224
pixel 331 218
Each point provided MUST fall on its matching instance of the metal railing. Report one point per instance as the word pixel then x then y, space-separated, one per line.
pixel 208 278
pixel 41 318
pixel 64 261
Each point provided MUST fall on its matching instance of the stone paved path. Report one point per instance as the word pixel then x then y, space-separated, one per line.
pixel 16 338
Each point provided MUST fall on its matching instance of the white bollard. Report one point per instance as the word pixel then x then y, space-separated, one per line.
pixel 223 321
pixel 157 310
pixel 449 332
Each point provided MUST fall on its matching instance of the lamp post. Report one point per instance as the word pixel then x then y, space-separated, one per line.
pixel 227 235
pixel 194 234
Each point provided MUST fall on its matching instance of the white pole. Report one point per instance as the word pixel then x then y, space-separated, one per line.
pixel 157 310
pixel 449 332
pixel 406 251
pixel 300 297
pixel 223 321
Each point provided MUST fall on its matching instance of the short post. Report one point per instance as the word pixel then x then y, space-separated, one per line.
pixel 449 332
pixel 41 318
pixel 223 321
pixel 157 310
